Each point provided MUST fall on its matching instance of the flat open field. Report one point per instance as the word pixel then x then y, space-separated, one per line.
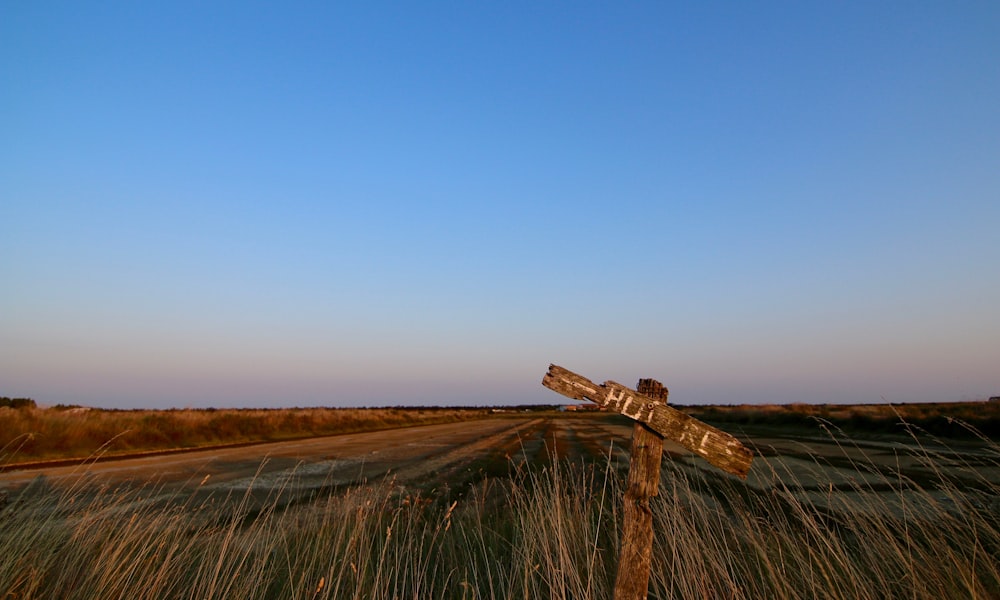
pixel 453 455
pixel 511 506
pixel 422 458
pixel 426 456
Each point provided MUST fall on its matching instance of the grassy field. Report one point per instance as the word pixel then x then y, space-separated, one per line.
pixel 958 420
pixel 841 519
pixel 30 434
pixel 46 434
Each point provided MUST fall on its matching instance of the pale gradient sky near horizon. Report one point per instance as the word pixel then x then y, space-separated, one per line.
pixel 253 204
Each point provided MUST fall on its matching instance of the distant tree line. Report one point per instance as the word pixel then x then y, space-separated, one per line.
pixel 17 402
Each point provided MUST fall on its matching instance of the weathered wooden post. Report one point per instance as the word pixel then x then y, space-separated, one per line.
pixel 655 420
pixel 636 556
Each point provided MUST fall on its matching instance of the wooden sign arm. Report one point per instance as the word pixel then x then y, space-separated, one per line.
pixel 716 446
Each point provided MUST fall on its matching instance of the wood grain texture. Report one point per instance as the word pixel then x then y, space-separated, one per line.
pixel 716 446
pixel 635 558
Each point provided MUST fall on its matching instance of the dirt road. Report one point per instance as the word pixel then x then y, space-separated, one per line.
pixel 420 457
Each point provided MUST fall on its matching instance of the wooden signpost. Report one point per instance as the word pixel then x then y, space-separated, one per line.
pixel 655 421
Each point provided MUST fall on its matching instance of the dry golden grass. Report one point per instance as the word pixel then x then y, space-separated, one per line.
pixel 546 533
pixel 37 434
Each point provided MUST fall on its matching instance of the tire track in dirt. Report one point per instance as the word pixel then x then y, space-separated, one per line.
pixel 446 467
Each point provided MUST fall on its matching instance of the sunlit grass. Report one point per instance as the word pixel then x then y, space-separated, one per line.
pixel 37 434
pixel 801 527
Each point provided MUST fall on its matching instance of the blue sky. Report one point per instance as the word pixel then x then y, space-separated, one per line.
pixel 253 204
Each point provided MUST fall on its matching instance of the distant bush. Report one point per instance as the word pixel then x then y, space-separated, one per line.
pixel 17 402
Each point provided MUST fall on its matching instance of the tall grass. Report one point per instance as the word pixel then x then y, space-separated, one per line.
pixel 801 527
